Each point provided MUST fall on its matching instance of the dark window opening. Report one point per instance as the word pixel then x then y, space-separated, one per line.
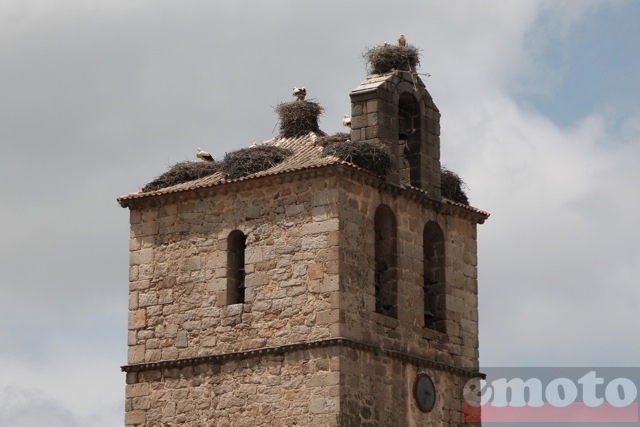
pixel 409 130
pixel 385 272
pixel 434 277
pixel 236 245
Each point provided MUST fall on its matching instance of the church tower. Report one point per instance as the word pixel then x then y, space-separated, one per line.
pixel 313 291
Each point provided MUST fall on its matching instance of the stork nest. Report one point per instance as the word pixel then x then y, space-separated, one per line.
pixel 337 137
pixel 182 172
pixel 298 118
pixel 452 186
pixel 386 58
pixel 372 156
pixel 251 160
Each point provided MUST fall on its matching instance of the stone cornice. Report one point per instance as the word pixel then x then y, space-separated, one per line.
pixel 445 206
pixel 219 359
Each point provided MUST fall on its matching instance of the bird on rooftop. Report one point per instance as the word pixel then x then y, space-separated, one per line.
pixel 346 121
pixel 402 41
pixel 299 93
pixel 201 154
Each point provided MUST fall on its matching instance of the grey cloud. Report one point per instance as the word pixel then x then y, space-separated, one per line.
pixel 29 408
pixel 97 99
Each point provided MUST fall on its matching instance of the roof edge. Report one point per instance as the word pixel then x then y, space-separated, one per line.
pixel 338 168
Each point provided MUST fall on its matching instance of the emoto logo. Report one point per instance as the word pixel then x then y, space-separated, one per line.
pixel 545 395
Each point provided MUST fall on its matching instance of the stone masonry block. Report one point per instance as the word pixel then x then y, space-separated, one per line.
pixel 253 255
pixel 388 109
pixel 135 217
pixel 326 197
pixel 358 122
pixel 357 108
pixel 137 319
pixel 321 227
pixel 324 379
pixel 149 215
pixel 168 210
pixel 329 254
pixel 145 229
pixel 386 133
pixel 330 283
pixel 258 279
pixel 217 284
pixel 135 244
pixel 293 210
pixel 372 106
pixel 142 256
pixel 148 299
pixel 329 317
pixel 386 121
pixel 133 273
pixel 133 301
pixel 315 271
pixel 133 418
pixel 371 132
pixel 323 405
pixel 136 353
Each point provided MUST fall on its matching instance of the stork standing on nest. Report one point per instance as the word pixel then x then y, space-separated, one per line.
pixel 300 93
pixel 402 41
pixel 203 155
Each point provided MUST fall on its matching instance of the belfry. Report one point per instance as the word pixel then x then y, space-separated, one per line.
pixel 310 280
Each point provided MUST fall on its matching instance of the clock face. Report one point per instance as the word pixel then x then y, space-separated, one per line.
pixel 424 392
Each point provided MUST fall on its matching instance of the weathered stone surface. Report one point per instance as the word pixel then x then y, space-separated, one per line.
pixel 309 268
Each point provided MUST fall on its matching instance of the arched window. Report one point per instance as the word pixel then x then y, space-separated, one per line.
pixel 434 277
pixel 385 273
pixel 235 267
pixel 410 131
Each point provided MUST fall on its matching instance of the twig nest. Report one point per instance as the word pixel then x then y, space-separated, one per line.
pixel 247 161
pixel 386 58
pixel 298 118
pixel 337 137
pixel 452 186
pixel 182 172
pixel 372 156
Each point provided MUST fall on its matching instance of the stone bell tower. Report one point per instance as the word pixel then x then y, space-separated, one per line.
pixel 312 292
pixel 396 109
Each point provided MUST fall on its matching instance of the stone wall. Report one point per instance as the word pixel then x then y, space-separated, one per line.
pixel 459 346
pixel 342 384
pixel 178 299
pixel 297 389
pixel 309 265
pixel 378 392
pixel 375 106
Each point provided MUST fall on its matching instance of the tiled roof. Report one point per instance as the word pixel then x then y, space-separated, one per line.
pixel 306 154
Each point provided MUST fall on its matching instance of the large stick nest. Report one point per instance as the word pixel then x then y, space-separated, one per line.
pixel 251 160
pixel 298 118
pixel 386 58
pixel 182 172
pixel 452 186
pixel 372 156
pixel 337 137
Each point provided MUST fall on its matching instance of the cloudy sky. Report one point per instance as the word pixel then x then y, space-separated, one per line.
pixel 540 115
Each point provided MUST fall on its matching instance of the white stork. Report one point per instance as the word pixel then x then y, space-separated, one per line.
pixel 346 121
pixel 204 155
pixel 300 93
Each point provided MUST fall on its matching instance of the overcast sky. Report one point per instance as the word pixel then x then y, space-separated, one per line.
pixel 540 112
